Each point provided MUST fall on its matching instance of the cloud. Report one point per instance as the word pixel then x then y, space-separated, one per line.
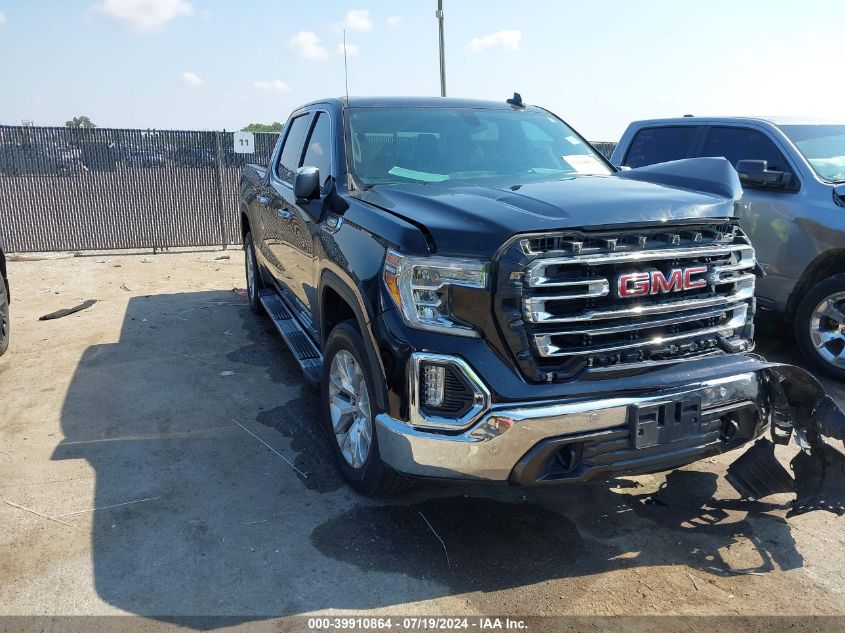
pixel 144 14
pixel 357 20
pixel 307 45
pixel 192 79
pixel 276 85
pixel 394 21
pixel 2 18
pixel 352 50
pixel 507 40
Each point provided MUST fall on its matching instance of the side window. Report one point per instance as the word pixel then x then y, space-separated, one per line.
pixel 318 153
pixel 292 148
pixel 737 143
pixel 660 144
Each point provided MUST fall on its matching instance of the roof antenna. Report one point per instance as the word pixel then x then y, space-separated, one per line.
pixel 516 100
pixel 345 68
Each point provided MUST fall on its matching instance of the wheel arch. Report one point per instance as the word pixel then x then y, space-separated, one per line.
pixel 338 302
pixel 245 224
pixel 829 263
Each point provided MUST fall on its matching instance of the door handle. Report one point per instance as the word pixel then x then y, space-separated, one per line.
pixel 263 199
pixel 285 214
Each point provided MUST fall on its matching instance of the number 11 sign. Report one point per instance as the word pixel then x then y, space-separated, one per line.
pixel 244 142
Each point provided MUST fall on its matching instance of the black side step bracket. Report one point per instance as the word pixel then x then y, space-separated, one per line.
pixel 304 351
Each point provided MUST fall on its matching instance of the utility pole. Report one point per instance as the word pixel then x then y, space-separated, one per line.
pixel 439 15
pixel 345 68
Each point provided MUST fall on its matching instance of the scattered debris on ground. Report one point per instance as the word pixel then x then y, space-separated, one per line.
pixel 58 314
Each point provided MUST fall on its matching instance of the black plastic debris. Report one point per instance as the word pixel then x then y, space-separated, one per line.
pixel 58 314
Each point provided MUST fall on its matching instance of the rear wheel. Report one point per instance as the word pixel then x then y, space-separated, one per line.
pixel 349 411
pixel 820 326
pixel 4 318
pixel 253 276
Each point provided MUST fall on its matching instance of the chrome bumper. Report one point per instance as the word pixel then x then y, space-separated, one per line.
pixel 490 449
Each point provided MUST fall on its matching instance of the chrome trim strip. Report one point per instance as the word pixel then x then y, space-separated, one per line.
pixel 480 390
pixel 493 446
pixel 599 287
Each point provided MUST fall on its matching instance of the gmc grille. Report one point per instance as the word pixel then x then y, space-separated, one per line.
pixel 566 306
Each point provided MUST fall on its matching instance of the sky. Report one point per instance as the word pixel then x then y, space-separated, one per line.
pixel 218 64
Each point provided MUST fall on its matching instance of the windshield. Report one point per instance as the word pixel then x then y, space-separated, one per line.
pixel 823 146
pixel 424 145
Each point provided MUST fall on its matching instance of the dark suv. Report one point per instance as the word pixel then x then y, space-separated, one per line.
pixel 793 209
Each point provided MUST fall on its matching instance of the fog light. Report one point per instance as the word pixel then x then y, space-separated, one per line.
pixel 434 381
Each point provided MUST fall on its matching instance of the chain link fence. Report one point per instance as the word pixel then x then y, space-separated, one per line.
pixel 75 189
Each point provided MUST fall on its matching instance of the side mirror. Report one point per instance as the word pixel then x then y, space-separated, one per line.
pixel 306 184
pixel 757 173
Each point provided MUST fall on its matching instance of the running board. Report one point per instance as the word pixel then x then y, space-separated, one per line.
pixel 304 351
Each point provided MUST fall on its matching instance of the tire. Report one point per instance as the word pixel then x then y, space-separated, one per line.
pixel 5 328
pixel 820 327
pixel 363 470
pixel 253 276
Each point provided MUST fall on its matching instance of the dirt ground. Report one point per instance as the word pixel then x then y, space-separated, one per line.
pixel 135 479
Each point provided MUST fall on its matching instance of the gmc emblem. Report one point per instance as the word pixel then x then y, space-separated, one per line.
pixel 655 282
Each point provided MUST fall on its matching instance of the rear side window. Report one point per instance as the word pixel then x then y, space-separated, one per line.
pixel 737 143
pixel 660 144
pixel 319 151
pixel 292 149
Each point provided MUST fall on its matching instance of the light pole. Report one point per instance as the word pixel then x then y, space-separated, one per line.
pixel 439 15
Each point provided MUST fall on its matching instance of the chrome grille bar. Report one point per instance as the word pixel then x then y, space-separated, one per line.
pixel 535 307
pixel 547 348
pixel 536 272
pixel 654 323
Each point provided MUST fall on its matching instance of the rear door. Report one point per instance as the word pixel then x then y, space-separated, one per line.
pixel 277 208
pixel 652 145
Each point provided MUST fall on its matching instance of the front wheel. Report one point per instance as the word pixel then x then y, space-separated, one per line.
pixel 820 326
pixel 349 411
pixel 253 276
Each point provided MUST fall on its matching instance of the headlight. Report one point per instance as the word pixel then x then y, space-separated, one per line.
pixel 420 287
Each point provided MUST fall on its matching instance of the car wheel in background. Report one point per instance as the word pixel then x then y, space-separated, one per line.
pixel 4 318
pixel 820 326
pixel 253 277
pixel 349 411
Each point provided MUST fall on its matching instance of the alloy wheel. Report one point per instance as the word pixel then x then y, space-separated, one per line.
pixel 827 329
pixel 349 404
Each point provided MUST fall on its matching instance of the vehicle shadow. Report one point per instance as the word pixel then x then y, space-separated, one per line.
pixel 201 519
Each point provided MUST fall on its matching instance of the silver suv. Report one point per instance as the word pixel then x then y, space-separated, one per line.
pixel 793 208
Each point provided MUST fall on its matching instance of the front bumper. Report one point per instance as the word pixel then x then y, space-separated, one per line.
pixel 557 441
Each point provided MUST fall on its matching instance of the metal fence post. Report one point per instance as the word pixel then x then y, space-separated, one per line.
pixel 221 205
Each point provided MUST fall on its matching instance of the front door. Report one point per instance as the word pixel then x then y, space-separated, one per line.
pixel 303 219
pixel 767 213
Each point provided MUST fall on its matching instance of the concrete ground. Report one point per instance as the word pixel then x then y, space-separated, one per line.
pixel 135 478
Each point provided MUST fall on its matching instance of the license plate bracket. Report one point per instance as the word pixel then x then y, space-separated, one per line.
pixel 665 421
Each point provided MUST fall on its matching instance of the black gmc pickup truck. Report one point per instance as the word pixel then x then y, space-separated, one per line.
pixel 479 294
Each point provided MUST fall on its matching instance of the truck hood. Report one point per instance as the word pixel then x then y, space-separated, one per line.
pixel 474 218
